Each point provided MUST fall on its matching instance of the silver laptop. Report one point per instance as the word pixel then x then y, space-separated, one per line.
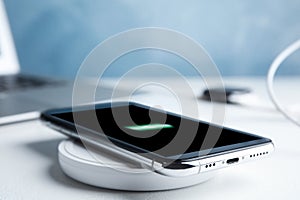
pixel 23 97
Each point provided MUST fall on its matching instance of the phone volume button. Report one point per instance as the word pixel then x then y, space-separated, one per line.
pixel 62 130
pixel 53 126
pixel 69 133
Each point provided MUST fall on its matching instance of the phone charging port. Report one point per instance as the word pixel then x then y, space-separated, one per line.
pixel 233 160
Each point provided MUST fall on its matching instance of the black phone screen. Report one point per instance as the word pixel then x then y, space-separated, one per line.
pixel 143 129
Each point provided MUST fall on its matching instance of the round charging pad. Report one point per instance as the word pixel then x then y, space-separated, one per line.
pixel 107 171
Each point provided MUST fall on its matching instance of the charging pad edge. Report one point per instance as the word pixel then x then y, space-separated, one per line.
pixel 78 164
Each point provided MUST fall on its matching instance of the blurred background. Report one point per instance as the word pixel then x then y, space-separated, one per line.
pixel 243 37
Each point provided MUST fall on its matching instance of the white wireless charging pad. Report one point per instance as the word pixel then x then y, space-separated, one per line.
pixel 109 172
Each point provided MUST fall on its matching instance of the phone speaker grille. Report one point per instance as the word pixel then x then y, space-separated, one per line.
pixel 259 154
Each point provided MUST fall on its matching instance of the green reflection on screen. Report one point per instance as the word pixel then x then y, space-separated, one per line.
pixel 149 127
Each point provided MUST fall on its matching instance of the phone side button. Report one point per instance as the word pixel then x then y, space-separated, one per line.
pixel 67 132
pixel 59 129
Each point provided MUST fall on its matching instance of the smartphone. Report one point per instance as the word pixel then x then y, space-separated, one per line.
pixel 167 143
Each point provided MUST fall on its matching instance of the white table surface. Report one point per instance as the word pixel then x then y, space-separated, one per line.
pixel 30 170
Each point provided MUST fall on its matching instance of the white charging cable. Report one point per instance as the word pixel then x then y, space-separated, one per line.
pixel 271 74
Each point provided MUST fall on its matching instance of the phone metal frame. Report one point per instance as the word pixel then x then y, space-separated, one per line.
pixel 185 167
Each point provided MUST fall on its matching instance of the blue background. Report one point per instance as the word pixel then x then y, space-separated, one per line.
pixel 243 37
